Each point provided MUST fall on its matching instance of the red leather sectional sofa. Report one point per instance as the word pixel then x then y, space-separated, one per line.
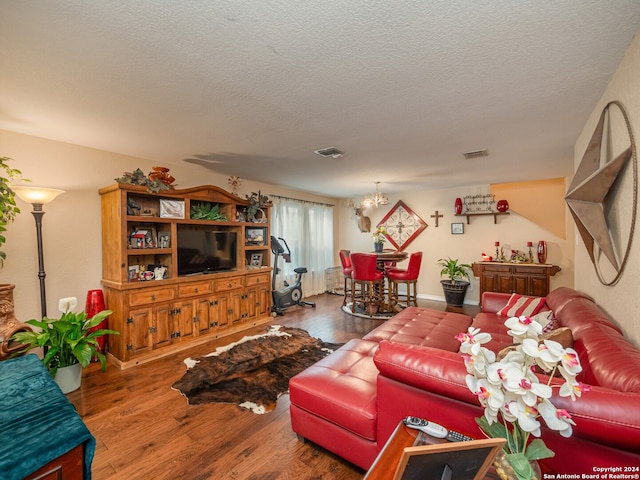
pixel 351 401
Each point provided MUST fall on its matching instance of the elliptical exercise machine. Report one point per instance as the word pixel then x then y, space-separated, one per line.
pixel 290 295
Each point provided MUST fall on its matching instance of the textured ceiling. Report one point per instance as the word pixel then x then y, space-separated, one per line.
pixel 251 88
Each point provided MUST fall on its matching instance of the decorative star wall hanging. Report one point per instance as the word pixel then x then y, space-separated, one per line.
pixel 403 225
pixel 591 194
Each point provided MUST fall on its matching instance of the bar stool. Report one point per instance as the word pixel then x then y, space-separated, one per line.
pixel 368 278
pixel 345 260
pixel 409 277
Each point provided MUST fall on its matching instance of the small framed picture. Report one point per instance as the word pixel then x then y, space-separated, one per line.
pixel 255 236
pixel 256 259
pixel 164 240
pixel 469 460
pixel 171 208
pixel 133 272
pixel 457 228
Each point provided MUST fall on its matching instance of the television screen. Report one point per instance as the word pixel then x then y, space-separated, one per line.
pixel 205 251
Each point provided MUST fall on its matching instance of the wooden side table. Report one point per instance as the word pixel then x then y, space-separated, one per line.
pixel 385 465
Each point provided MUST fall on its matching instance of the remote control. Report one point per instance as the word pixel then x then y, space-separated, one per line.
pixel 430 428
pixel 457 437
pixel 434 429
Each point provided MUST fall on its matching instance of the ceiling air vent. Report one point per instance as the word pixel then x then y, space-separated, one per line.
pixel 332 152
pixel 476 154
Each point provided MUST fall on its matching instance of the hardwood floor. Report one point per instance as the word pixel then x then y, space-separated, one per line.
pixel 146 430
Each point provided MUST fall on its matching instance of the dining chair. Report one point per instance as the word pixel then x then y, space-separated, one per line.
pixel 408 277
pixel 367 282
pixel 345 260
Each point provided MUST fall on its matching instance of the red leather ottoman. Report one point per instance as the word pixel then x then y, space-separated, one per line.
pixel 423 326
pixel 333 402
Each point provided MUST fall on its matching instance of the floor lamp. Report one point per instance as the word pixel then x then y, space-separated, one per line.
pixel 37 197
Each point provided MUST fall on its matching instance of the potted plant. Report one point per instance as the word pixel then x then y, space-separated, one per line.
pixel 455 287
pixel 69 343
pixel 515 399
pixel 379 238
pixel 256 202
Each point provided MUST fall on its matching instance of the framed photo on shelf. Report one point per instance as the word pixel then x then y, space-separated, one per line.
pixel 256 260
pixel 171 208
pixel 150 235
pixel 451 460
pixel 134 270
pixel 457 228
pixel 255 236
pixel 164 240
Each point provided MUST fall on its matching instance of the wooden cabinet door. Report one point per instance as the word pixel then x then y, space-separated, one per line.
pixel 219 311
pixel 183 320
pixel 202 322
pixel 162 326
pixel 249 300
pixel 234 306
pixel 496 282
pixel 139 323
pixel 521 284
pixel 538 285
pixel 263 300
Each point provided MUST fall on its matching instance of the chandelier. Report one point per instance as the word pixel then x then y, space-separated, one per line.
pixel 376 199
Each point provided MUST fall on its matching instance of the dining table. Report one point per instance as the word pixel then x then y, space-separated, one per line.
pixel 387 259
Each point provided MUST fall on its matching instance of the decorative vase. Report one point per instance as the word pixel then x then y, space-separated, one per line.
pixel 542 251
pixel 9 325
pixel 502 206
pixel 377 247
pixel 69 378
pixel 505 470
pixel 95 304
pixel 458 206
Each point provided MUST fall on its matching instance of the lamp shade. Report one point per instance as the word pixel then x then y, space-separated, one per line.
pixel 36 195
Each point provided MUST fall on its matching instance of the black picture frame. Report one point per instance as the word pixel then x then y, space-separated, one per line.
pixel 454 460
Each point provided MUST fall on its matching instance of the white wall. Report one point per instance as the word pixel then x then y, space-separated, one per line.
pixel 512 231
pixel 72 223
pixel 621 301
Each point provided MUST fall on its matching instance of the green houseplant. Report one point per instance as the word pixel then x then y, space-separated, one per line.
pixel 455 287
pixel 8 207
pixel 69 340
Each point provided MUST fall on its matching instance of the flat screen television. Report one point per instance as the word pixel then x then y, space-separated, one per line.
pixel 205 250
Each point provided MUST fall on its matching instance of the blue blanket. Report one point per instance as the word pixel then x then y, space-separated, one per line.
pixel 37 422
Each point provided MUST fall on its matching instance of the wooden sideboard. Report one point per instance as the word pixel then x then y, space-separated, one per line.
pixel 522 278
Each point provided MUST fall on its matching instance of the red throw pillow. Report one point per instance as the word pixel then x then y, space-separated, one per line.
pixel 519 305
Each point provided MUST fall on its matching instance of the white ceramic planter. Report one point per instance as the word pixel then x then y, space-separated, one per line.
pixel 69 378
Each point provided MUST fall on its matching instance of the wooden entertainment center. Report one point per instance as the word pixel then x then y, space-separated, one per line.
pixel 156 310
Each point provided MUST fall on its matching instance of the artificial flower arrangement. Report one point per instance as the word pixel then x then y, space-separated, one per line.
pixel 379 235
pixel 513 396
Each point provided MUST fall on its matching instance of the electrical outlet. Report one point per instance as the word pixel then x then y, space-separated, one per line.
pixel 470 287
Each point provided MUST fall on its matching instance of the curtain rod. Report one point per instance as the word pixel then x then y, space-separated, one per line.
pixel 303 201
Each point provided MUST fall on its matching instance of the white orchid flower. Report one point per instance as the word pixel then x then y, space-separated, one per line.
pixel 472 340
pixel 556 419
pixel 571 361
pixel 523 327
pixel 572 388
pixel 527 417
pixel 67 304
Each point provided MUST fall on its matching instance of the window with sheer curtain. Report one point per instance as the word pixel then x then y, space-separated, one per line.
pixel 307 227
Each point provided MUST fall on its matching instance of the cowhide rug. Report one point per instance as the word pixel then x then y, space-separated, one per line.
pixel 253 372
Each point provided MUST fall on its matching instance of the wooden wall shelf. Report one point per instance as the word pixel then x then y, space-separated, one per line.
pixel 479 214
